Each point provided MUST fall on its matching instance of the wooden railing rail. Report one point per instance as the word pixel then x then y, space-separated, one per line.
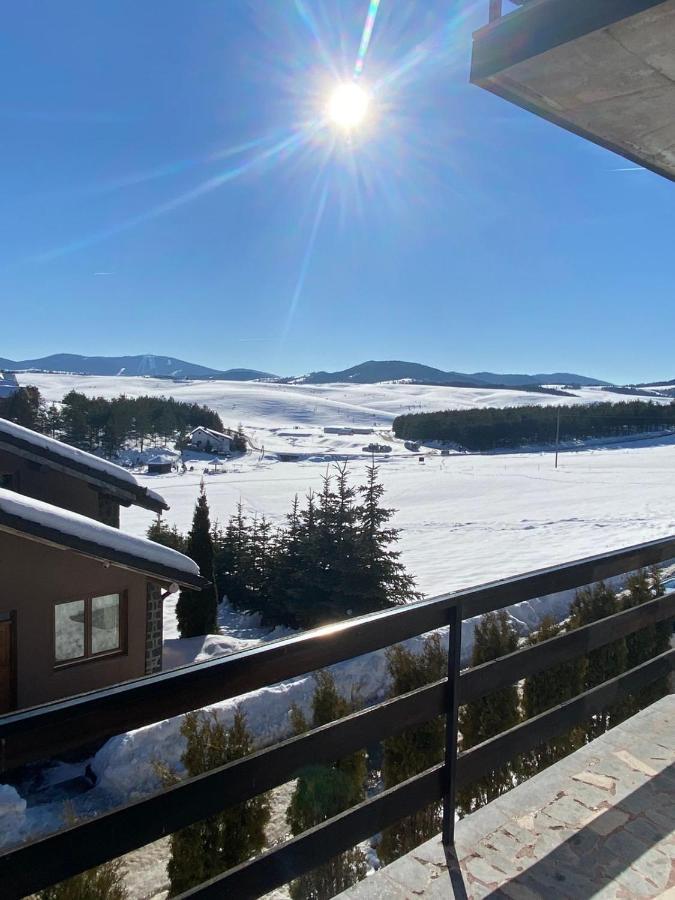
pixel 41 863
pixel 44 731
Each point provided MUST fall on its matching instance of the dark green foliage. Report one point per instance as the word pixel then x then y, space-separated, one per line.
pixel 212 846
pixel 239 444
pixel 23 407
pixel 333 559
pixel 545 690
pixel 108 425
pixel 643 645
pixel 483 718
pixel 196 611
pixel 105 882
pixel 415 749
pixel 322 792
pixel 488 429
pixel 589 605
pixel 168 536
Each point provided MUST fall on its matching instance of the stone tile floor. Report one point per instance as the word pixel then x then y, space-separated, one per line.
pixel 600 823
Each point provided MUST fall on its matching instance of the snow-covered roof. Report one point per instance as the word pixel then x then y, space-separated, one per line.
pixel 81 464
pixel 212 432
pixel 46 523
pixel 159 459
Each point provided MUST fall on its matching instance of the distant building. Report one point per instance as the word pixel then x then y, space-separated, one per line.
pixel 161 464
pixel 346 429
pixel 210 441
pixel 8 384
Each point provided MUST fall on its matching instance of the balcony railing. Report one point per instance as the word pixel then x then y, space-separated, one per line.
pixel 42 732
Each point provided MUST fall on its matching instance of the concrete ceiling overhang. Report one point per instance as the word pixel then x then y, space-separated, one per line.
pixel 603 69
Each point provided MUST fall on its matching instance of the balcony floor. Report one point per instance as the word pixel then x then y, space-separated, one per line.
pixel 601 823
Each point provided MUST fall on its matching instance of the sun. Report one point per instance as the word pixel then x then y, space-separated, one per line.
pixel 348 106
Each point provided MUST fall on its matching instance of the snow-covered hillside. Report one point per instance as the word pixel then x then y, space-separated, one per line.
pixel 464 519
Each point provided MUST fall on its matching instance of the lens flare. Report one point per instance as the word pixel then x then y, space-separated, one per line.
pixel 348 105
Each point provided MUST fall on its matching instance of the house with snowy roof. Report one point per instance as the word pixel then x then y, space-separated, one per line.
pixel 46 469
pixel 209 440
pixel 81 602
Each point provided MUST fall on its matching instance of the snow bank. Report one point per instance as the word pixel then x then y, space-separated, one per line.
pixel 74 525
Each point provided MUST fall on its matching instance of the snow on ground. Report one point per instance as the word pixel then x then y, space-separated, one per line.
pixel 464 520
pixel 271 413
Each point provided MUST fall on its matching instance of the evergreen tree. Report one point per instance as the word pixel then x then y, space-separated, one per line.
pixel 415 749
pixel 322 792
pixel 207 848
pixel 105 882
pixel 487 716
pixel 649 642
pixel 382 578
pixel 589 605
pixel 233 561
pixel 168 536
pixel 545 690
pixel 24 407
pixel 239 444
pixel 196 611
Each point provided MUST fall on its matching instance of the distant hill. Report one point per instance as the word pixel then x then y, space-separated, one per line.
pixel 396 370
pixel 157 366
pixel 365 373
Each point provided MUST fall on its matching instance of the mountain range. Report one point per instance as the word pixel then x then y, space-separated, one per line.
pixel 148 364
pixel 396 370
pixel 369 372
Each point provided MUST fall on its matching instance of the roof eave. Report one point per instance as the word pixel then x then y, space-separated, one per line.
pixel 127 492
pixel 52 536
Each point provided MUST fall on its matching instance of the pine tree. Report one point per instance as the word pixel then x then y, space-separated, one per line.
pixel 23 407
pixel 322 792
pixel 196 611
pixel 415 749
pixel 481 719
pixel 383 580
pixel 105 882
pixel 649 642
pixel 238 443
pixel 212 846
pixel 544 690
pixel 168 536
pixel 589 605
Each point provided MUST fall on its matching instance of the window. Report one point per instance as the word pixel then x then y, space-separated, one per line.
pixel 89 627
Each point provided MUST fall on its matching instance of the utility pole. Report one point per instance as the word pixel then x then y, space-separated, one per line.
pixel 557 437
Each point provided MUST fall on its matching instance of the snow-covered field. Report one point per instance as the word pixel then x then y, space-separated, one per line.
pixel 464 519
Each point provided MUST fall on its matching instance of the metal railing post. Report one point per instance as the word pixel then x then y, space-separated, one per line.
pixel 454 651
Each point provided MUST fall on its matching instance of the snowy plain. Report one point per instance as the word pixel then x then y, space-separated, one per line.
pixel 464 519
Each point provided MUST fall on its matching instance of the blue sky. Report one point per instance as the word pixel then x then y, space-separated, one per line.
pixel 164 189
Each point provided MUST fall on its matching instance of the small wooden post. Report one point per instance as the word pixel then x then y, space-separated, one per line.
pixel 495 9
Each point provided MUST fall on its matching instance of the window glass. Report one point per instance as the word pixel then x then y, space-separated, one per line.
pixel 105 623
pixel 69 630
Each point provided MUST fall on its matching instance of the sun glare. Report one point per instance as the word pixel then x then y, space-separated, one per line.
pixel 348 106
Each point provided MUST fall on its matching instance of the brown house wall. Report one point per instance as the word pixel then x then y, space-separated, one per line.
pixel 33 577
pixel 52 486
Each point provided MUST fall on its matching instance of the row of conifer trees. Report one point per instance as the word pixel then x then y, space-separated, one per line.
pixel 334 558
pixel 99 424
